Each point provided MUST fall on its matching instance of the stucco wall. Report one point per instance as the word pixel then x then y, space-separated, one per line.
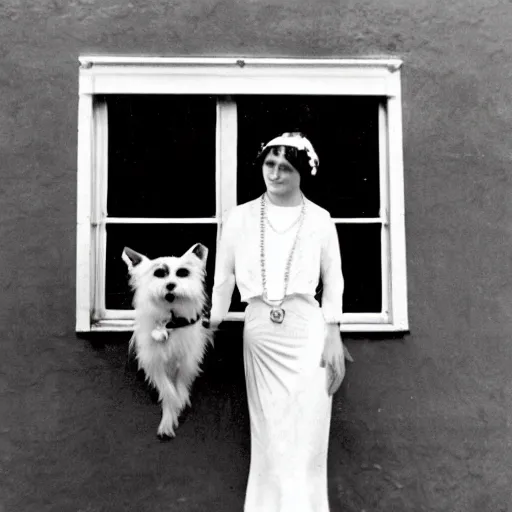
pixel 422 422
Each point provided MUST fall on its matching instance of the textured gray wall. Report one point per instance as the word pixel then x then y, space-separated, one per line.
pixel 422 423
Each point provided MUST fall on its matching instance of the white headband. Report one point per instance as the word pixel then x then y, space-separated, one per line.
pixel 296 140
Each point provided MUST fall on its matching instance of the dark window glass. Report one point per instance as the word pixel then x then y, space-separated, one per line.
pixel 361 262
pixel 236 304
pixel 161 156
pixel 152 240
pixel 344 132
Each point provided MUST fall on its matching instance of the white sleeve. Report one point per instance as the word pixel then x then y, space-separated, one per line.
pixel 332 276
pixel 224 278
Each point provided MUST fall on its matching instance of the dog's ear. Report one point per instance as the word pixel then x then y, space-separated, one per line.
pixel 199 250
pixel 132 258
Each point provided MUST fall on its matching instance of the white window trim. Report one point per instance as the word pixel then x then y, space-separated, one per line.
pixel 224 77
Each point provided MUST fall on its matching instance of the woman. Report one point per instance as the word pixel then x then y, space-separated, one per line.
pixel 276 248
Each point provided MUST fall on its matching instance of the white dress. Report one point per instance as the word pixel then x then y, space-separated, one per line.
pixel 289 406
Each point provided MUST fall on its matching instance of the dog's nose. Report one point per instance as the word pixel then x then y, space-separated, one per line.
pixel 171 286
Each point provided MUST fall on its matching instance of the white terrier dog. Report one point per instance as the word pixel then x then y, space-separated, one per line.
pixel 169 337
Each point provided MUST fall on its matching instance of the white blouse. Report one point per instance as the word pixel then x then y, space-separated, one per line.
pixel 278 245
pixel 317 254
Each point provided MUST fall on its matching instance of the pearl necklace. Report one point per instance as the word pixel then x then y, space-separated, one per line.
pixel 277 312
pixel 285 230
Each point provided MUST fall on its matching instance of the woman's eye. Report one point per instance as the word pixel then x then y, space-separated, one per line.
pixel 182 272
pixel 160 272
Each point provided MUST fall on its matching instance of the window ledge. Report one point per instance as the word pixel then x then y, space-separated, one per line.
pixel 110 325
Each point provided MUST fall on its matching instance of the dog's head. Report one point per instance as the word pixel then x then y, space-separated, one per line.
pixel 166 279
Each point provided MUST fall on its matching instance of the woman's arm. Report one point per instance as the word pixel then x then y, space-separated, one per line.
pixel 224 278
pixel 333 357
pixel 332 276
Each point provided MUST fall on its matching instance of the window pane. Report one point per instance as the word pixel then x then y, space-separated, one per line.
pixel 154 241
pixel 343 130
pixel 361 261
pixel 161 156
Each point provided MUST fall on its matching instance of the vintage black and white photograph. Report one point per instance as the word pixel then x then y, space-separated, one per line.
pixel 256 256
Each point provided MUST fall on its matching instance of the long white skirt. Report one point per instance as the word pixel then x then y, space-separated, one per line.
pixel 290 409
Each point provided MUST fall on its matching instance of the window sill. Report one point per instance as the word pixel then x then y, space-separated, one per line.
pixel 126 325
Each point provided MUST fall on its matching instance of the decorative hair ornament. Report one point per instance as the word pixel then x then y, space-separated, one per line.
pixel 297 140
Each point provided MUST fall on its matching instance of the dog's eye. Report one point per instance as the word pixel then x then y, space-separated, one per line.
pixel 160 272
pixel 182 272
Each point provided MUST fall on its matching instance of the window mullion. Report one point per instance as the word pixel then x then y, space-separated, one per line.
pixel 226 164
pixel 99 228
pixel 161 220
pixel 384 211
pixel 361 220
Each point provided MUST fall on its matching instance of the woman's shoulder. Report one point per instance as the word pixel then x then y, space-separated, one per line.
pixel 238 214
pixel 245 208
pixel 249 206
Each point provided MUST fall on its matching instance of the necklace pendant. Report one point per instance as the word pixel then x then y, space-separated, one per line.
pixel 277 315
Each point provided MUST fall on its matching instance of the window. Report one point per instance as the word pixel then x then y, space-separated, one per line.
pixel 166 147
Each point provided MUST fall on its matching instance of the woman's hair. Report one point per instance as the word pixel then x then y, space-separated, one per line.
pixel 299 158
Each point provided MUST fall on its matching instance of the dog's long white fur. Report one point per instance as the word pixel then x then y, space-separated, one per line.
pixel 172 364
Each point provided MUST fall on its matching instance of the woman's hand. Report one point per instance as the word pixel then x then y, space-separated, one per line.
pixel 214 326
pixel 208 321
pixel 333 358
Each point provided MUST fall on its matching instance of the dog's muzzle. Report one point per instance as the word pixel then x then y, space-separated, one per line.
pixel 169 297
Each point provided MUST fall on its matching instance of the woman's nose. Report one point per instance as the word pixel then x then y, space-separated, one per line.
pixel 273 174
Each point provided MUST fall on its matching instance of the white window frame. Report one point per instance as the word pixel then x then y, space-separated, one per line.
pixel 224 77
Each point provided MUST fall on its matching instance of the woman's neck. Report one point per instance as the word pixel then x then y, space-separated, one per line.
pixel 294 199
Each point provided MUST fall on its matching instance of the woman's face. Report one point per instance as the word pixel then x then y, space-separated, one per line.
pixel 281 178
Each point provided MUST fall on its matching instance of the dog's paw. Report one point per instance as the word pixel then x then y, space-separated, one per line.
pixel 166 430
pixel 165 437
